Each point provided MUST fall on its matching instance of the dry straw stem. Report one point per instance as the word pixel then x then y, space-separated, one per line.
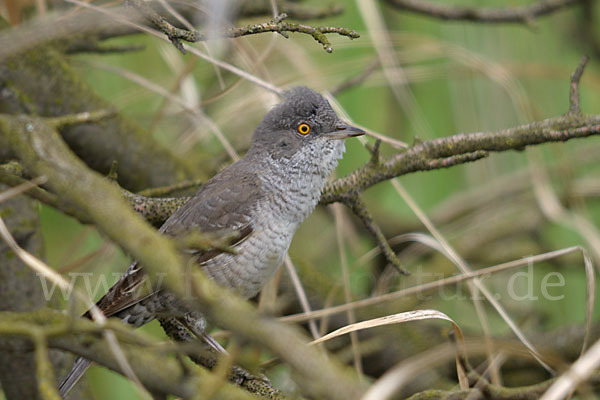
pixel 392 69
pixel 301 294
pixel 202 118
pixel 416 315
pixel 475 285
pixel 579 372
pixel 551 207
pixel 432 285
pixel 338 213
pixel 21 188
pixel 385 388
pixel 522 14
pixel 40 148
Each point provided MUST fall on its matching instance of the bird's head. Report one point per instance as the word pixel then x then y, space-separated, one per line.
pixel 304 119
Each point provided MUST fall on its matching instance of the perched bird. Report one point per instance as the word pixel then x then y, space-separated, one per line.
pixel 262 199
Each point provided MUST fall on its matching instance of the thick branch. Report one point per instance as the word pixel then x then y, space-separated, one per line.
pixel 461 148
pixel 155 210
pixel 156 369
pixel 40 80
pixel 523 14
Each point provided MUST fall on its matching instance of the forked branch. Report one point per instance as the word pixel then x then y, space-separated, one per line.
pixel 279 25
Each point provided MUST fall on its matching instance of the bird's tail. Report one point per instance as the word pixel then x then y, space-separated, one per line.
pixel 81 365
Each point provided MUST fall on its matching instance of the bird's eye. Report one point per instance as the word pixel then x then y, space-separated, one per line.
pixel 304 128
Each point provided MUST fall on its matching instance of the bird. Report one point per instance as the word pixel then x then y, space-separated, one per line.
pixel 259 201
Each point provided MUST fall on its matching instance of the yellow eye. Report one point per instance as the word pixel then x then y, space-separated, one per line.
pixel 304 128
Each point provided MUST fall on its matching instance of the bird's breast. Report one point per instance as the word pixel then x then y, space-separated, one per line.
pixel 291 191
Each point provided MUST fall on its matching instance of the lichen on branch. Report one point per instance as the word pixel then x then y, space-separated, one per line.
pixel 278 24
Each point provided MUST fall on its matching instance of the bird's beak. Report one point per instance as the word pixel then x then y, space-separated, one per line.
pixel 343 131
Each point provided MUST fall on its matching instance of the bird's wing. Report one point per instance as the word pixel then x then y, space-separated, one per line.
pixel 223 204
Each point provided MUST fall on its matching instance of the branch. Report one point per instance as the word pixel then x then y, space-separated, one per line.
pixel 169 189
pixel 12 174
pixel 356 80
pixel 28 86
pixel 20 291
pixel 522 14
pixel 176 35
pixel 157 370
pixel 42 151
pixel 468 147
pixel 155 210
pixel 360 210
pixel 574 107
pixel 237 375
pixel 460 149
pixel 487 391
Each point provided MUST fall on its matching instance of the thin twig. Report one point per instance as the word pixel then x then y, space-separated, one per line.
pixel 176 35
pixel 296 318
pixel 80 118
pixel 93 47
pixel 574 107
pixel 170 189
pixel 360 210
pixel 350 315
pixel 356 80
pixel 115 16
pixel 22 188
pixel 523 14
pixel 292 8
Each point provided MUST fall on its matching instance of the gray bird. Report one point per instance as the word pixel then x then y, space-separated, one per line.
pixel 261 200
